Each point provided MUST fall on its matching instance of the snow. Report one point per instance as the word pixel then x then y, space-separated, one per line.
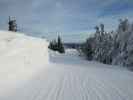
pixel 20 57
pixel 28 73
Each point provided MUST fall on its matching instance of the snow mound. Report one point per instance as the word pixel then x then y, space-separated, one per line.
pixel 20 57
pixel 16 47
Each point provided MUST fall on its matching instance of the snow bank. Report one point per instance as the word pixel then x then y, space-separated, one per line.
pixel 20 57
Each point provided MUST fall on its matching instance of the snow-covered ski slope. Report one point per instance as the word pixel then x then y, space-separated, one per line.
pixel 65 77
pixel 20 57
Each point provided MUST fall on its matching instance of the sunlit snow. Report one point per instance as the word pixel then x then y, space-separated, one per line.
pixel 29 71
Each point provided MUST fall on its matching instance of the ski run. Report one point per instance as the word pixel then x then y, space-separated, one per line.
pixel 29 71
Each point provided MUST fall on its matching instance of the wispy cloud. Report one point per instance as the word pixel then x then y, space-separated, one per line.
pixel 72 18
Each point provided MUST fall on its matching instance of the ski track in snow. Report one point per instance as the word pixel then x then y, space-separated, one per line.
pixel 65 77
pixel 59 81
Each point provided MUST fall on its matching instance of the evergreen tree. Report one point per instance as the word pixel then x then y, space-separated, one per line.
pixel 98 47
pixel 102 28
pixel 60 45
pixel 57 45
pixel 87 48
pixel 12 25
pixel 113 47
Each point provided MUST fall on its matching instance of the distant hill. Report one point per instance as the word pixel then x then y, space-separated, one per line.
pixel 72 45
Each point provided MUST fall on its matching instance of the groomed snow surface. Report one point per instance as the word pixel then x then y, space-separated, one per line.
pixel 29 72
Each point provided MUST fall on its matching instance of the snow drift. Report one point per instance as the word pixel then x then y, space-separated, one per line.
pixel 20 57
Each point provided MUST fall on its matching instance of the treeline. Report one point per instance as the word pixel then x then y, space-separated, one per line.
pixel 57 45
pixel 114 47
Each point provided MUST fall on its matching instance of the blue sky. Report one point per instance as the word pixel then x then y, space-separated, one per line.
pixel 74 20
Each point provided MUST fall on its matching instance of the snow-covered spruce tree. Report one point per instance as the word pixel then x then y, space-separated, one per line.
pixel 123 44
pixel 111 48
pixel 103 44
pixel 98 47
pixel 87 48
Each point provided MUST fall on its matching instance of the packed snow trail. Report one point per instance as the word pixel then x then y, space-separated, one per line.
pixel 66 77
pixel 68 81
